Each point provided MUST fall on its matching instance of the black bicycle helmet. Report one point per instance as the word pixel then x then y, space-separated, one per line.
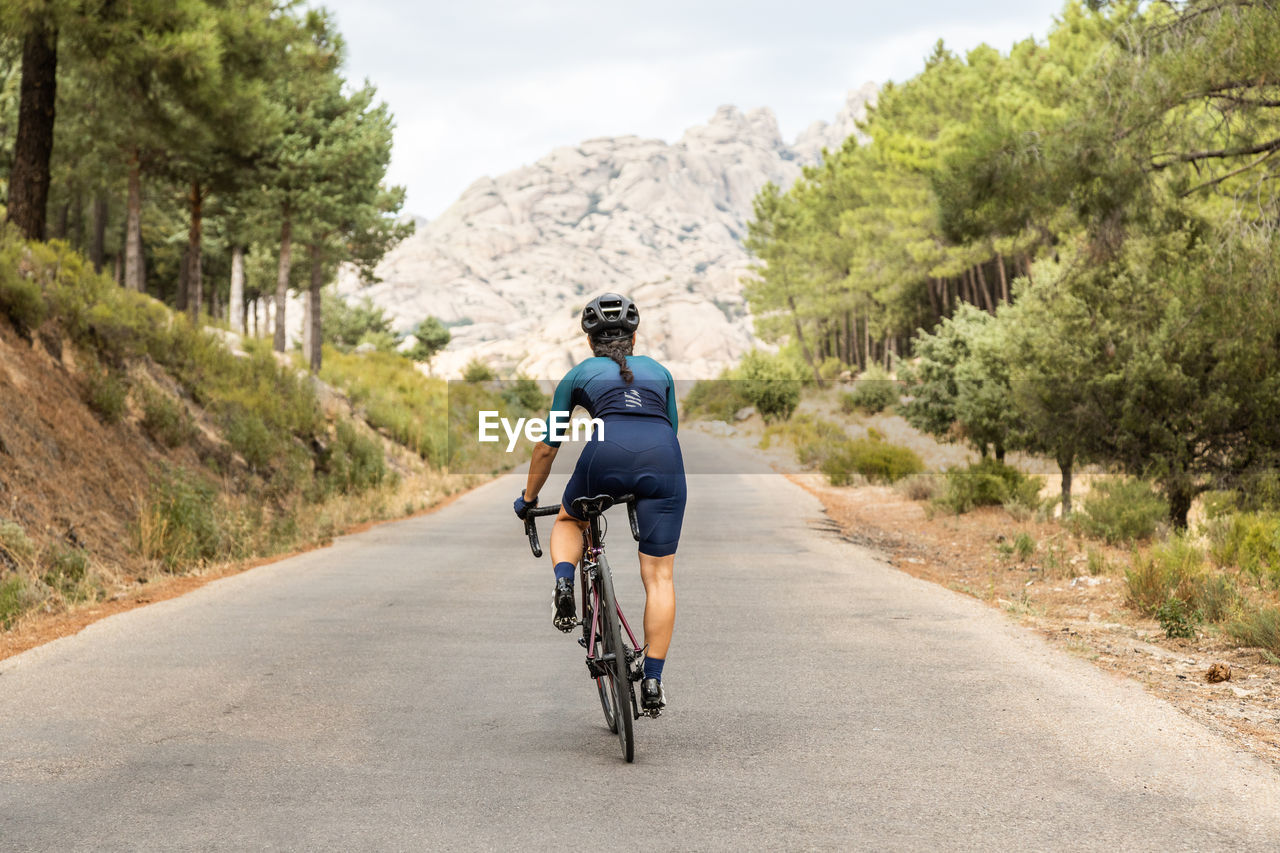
pixel 610 316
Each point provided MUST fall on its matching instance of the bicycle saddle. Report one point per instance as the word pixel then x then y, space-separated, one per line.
pixel 590 507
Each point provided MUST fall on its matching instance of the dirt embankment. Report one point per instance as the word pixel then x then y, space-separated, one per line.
pixel 73 483
pixel 65 476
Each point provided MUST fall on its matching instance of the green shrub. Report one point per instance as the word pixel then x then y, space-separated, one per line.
pixel 1218 504
pixel 1177 619
pixel 477 371
pixel 1175 571
pixel 873 392
pixel 830 368
pixel 249 435
pixel 1170 570
pixel 429 336
pixel 396 397
pixel 353 463
pixel 16 597
pixel 1260 491
pixel 1258 628
pixel 715 400
pixel 989 483
pixel 180 524
pixel 1121 510
pixel 1024 546
pixel 771 383
pixel 347 325
pixel 67 572
pixel 1216 596
pixel 21 297
pixel 166 420
pixel 525 397
pixel 14 540
pixel 106 393
pixel 919 487
pixel 873 458
pixel 814 440
pixel 1249 541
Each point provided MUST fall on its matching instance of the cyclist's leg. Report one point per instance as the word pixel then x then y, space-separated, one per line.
pixel 657 573
pixel 660 519
pixel 566 539
pixel 566 535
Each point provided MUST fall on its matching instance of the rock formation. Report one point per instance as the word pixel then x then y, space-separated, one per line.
pixel 509 265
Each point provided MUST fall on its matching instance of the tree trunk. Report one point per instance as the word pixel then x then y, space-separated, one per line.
pixel 282 279
pixel 866 339
pixel 63 225
pixel 804 348
pixel 134 279
pixel 1004 278
pixel 313 308
pixel 184 280
pixel 195 280
pixel 38 95
pixel 235 303
pixel 117 271
pixel 75 233
pixel 850 329
pixel 1065 465
pixel 98 246
pixel 988 303
pixel 1181 494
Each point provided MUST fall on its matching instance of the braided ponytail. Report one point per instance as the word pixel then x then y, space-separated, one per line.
pixel 617 349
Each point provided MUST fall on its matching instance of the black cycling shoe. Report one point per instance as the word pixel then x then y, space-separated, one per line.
pixel 652 699
pixel 564 613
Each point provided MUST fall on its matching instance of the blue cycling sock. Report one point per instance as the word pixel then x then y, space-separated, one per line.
pixel 653 667
pixel 564 570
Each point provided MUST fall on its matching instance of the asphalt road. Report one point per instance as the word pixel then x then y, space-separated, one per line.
pixel 404 689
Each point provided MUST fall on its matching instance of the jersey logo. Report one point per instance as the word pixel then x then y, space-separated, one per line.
pixel 632 399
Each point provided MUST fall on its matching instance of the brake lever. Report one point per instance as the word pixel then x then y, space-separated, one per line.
pixel 635 524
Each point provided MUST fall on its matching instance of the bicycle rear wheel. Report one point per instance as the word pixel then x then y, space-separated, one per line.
pixel 604 684
pixel 619 679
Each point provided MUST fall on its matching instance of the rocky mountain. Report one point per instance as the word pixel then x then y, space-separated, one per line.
pixel 509 265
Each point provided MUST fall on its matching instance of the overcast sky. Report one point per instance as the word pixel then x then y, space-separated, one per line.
pixel 479 87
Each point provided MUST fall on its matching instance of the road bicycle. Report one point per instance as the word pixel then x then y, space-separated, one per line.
pixel 615 661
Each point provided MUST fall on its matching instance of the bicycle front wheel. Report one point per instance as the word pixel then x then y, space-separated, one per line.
pixel 619 679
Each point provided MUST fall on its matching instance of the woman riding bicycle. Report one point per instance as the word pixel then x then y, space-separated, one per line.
pixel 636 453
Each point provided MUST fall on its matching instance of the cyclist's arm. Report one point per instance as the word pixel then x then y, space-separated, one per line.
pixel 544 452
pixel 539 469
pixel 561 401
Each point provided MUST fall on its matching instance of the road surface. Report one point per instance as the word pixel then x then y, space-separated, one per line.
pixel 404 689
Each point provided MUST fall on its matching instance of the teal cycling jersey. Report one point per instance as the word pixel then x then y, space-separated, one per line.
pixel 597 386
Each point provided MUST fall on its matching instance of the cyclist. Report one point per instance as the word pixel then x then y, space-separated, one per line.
pixel 635 453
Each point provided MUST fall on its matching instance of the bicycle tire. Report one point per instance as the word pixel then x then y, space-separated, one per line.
pixel 604 686
pixel 620 682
